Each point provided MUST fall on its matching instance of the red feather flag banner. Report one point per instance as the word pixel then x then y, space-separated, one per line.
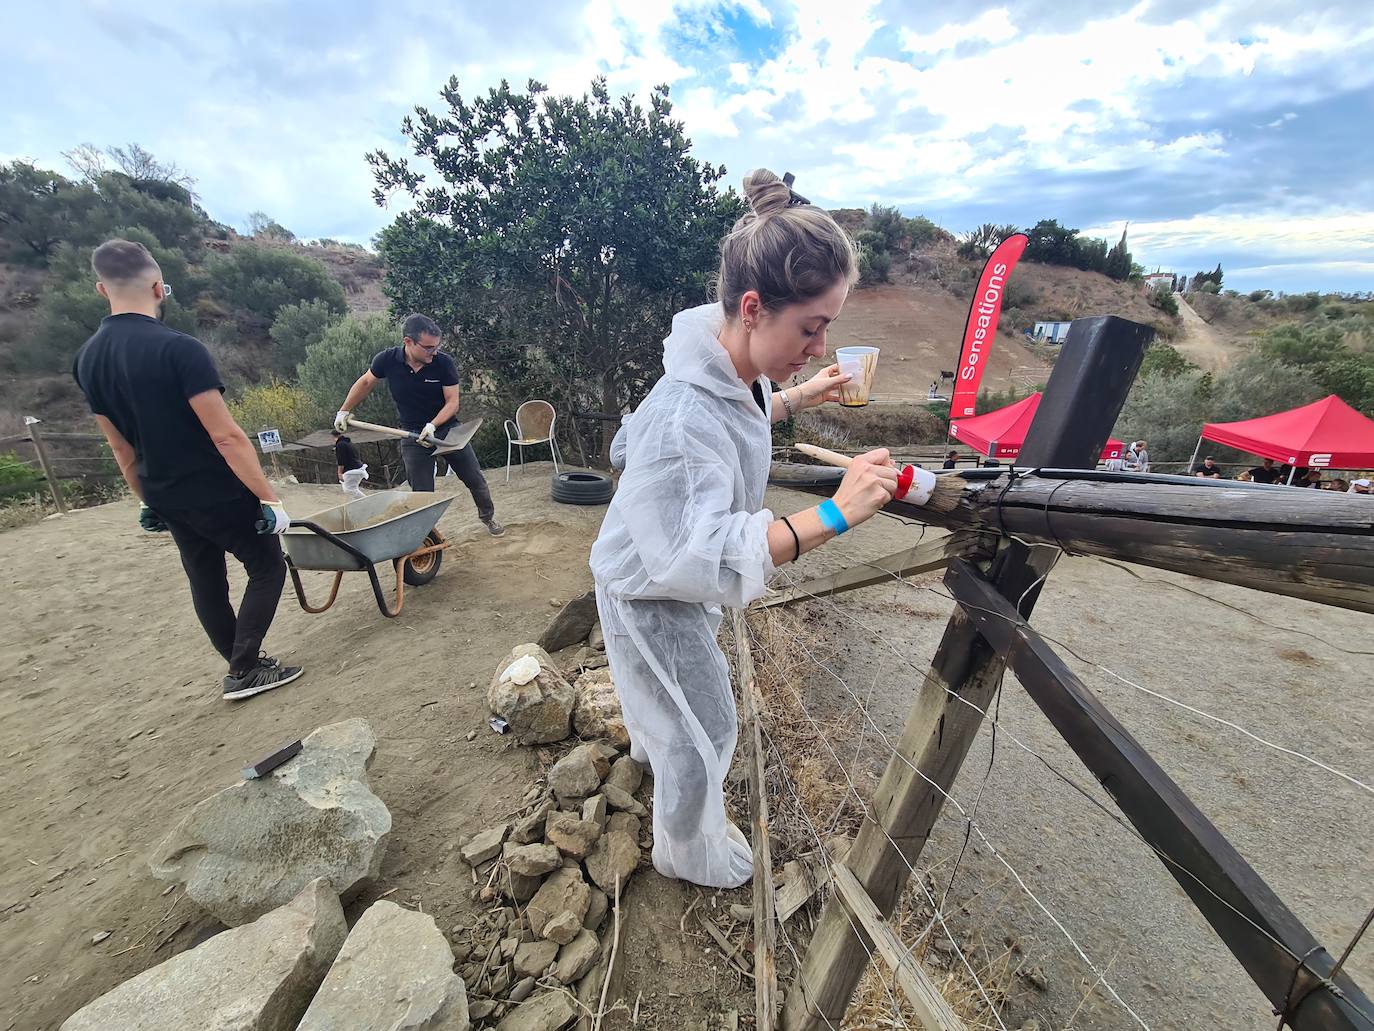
pixel 983 314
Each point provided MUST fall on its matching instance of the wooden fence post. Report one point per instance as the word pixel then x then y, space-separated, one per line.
pixel 1081 403
pixel 45 462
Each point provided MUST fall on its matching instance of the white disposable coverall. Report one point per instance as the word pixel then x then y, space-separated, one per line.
pixel 686 534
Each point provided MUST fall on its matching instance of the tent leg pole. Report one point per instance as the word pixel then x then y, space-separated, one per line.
pixel 1193 464
pixel 1291 470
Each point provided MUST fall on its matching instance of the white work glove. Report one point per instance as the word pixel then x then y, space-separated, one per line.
pixel 427 434
pixel 341 418
pixel 274 518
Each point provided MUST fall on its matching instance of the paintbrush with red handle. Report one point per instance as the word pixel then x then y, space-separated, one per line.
pixel 915 486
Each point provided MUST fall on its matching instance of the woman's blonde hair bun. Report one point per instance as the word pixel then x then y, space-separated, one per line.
pixel 785 248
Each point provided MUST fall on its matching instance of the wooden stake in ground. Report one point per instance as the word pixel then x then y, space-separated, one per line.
pixel 765 927
pixel 46 463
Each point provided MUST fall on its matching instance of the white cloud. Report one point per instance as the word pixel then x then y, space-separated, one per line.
pixel 861 105
pixel 994 26
pixel 1314 236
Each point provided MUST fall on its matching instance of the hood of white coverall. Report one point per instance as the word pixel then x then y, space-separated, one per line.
pixel 687 522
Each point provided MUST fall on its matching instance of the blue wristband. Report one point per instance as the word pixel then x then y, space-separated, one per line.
pixel 832 517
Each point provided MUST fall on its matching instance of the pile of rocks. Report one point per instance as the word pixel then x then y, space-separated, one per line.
pixel 554 872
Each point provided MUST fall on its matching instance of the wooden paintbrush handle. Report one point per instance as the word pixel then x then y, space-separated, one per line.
pixel 825 455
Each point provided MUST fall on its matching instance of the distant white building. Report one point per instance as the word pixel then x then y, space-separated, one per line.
pixel 1155 280
pixel 1051 332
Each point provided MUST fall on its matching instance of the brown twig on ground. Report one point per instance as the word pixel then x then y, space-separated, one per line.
pixel 610 963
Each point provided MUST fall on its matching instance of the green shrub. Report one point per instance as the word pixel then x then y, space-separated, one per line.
pixel 875 263
pixel 16 476
pixel 1164 360
pixel 261 280
pixel 1163 298
pixel 296 329
pixel 343 354
pixel 279 406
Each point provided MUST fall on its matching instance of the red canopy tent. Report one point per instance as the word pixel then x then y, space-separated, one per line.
pixel 1000 434
pixel 1327 434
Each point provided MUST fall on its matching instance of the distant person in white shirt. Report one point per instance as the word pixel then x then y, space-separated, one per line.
pixel 1142 456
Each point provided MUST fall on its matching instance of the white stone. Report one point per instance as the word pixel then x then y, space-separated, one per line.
pixel 521 671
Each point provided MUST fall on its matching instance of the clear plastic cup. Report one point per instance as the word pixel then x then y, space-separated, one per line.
pixel 860 363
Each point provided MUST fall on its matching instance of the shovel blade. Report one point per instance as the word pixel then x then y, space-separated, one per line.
pixel 457 438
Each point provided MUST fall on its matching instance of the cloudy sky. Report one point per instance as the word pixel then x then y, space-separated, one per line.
pixel 1240 131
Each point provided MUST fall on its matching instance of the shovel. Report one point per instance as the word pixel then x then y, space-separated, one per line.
pixel 457 438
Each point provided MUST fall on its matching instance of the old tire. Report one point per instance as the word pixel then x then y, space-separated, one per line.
pixel 582 488
pixel 420 571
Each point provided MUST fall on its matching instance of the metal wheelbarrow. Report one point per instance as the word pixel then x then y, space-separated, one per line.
pixel 390 526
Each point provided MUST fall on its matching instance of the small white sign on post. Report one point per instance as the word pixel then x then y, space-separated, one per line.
pixel 269 440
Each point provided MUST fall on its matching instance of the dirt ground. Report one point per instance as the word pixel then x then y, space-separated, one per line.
pixel 113 727
pixel 1199 342
pixel 918 328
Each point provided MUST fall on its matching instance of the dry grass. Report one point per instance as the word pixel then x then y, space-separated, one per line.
pixel 819 786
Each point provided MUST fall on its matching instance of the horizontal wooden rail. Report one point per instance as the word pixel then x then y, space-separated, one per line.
pixel 1317 545
pixel 921 558
pixel 932 1010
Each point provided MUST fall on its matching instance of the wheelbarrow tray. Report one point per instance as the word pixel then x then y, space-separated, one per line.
pixel 382 527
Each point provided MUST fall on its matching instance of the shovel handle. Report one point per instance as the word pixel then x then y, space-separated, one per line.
pixel 390 431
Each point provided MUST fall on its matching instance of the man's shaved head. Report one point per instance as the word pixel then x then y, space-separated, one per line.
pixel 121 264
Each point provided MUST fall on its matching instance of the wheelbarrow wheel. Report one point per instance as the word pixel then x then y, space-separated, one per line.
pixel 421 570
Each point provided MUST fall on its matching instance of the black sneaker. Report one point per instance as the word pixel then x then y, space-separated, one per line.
pixel 266 675
pixel 494 528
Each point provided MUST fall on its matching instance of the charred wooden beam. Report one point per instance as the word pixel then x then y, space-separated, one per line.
pixel 1310 544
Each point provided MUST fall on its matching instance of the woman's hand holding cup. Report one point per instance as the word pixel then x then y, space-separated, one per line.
pixel 823 387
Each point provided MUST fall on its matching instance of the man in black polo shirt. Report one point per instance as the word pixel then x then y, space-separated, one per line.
pixel 1264 473
pixel 155 394
pixel 424 385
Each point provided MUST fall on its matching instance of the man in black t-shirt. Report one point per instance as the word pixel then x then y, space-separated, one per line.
pixel 951 460
pixel 1208 470
pixel 351 469
pixel 156 396
pixel 1264 473
pixel 424 386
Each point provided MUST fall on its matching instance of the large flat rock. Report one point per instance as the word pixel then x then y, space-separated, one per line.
pixel 258 977
pixel 251 847
pixel 394 973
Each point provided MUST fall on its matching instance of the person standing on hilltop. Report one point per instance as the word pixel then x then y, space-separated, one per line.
pixel 687 532
pixel 424 386
pixel 156 397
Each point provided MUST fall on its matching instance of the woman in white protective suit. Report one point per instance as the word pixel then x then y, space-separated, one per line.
pixel 687 532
